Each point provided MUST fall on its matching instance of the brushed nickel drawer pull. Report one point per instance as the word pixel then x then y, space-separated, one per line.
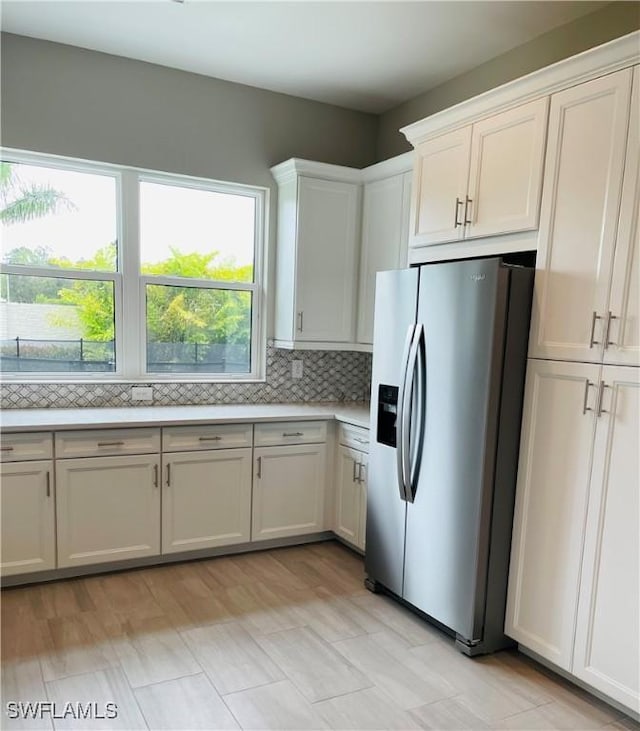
pixel 209 439
pixel 168 474
pixel 155 475
pixel 6 449
pixel 595 316
pixel 292 434
pixel 259 475
pixel 48 484
pixel 111 444
pixel 362 441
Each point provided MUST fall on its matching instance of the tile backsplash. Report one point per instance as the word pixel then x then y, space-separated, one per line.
pixel 328 376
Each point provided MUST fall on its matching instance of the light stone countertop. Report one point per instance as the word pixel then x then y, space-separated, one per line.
pixel 22 420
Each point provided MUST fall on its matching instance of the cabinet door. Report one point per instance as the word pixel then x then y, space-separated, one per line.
pixel 623 341
pixel 607 652
pixel 288 491
pixel 27 504
pixel 580 202
pixel 108 509
pixel 439 188
pixel 364 466
pixel 206 499
pixel 551 504
pixel 348 503
pixel 505 176
pixel 326 286
pixel 384 245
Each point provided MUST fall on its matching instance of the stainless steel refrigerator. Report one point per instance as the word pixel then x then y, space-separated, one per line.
pixel 450 345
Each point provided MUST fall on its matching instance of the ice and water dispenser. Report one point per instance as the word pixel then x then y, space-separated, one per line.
pixel 387 414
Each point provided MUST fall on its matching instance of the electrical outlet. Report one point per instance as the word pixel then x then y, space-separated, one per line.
pixel 297 368
pixel 142 393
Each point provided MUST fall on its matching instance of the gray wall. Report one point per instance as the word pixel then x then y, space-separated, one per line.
pixel 614 20
pixel 69 101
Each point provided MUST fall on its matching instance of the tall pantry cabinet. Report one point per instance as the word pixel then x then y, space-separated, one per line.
pixel 574 585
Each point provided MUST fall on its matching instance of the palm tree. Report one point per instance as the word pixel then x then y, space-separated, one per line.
pixel 21 202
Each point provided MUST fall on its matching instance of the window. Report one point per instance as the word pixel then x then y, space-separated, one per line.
pixel 116 273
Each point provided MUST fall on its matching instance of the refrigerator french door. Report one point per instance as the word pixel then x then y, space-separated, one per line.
pixel 450 344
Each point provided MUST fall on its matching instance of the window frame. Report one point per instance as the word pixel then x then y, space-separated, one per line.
pixel 129 283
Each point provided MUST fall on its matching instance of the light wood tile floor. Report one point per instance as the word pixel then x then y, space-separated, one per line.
pixel 281 639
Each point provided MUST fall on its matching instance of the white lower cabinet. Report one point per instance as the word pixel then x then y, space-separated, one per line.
pixel 206 499
pixel 351 496
pixel 108 509
pixel 288 490
pixel 575 564
pixel 607 646
pixel 28 517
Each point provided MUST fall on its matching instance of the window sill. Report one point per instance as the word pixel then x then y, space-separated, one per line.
pixel 119 380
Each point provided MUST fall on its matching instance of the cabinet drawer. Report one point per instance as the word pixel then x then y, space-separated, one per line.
pixel 23 447
pixel 290 432
pixel 220 436
pixel 354 436
pixel 106 442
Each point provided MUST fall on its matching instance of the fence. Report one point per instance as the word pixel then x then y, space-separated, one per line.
pixel 82 356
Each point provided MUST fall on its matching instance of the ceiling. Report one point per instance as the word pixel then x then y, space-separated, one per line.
pixel 362 55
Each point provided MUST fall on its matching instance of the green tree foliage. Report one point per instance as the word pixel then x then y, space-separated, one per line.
pixel 23 202
pixel 175 314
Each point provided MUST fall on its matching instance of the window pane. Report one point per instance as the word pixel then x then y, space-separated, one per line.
pixel 53 324
pixel 194 330
pixel 57 218
pixel 187 232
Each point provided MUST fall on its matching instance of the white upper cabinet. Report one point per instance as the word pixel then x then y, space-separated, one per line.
pixel 505 174
pixel 623 337
pixel 551 505
pixel 607 648
pixel 385 221
pixel 318 248
pixel 441 172
pixel 584 169
pixel 481 180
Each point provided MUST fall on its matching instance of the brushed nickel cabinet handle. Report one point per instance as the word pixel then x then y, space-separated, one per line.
pixel 467 205
pixel 595 316
pixel 607 329
pixel 458 204
pixel 292 434
pixel 168 474
pixel 6 449
pixel 587 386
pixel 155 475
pixel 111 444
pixel 48 484
pixel 300 320
pixel 360 471
pixel 599 409
pixel 259 473
pixel 209 439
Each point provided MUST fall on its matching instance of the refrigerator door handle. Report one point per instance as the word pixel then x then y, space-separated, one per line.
pixel 400 416
pixel 420 385
pixel 407 411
